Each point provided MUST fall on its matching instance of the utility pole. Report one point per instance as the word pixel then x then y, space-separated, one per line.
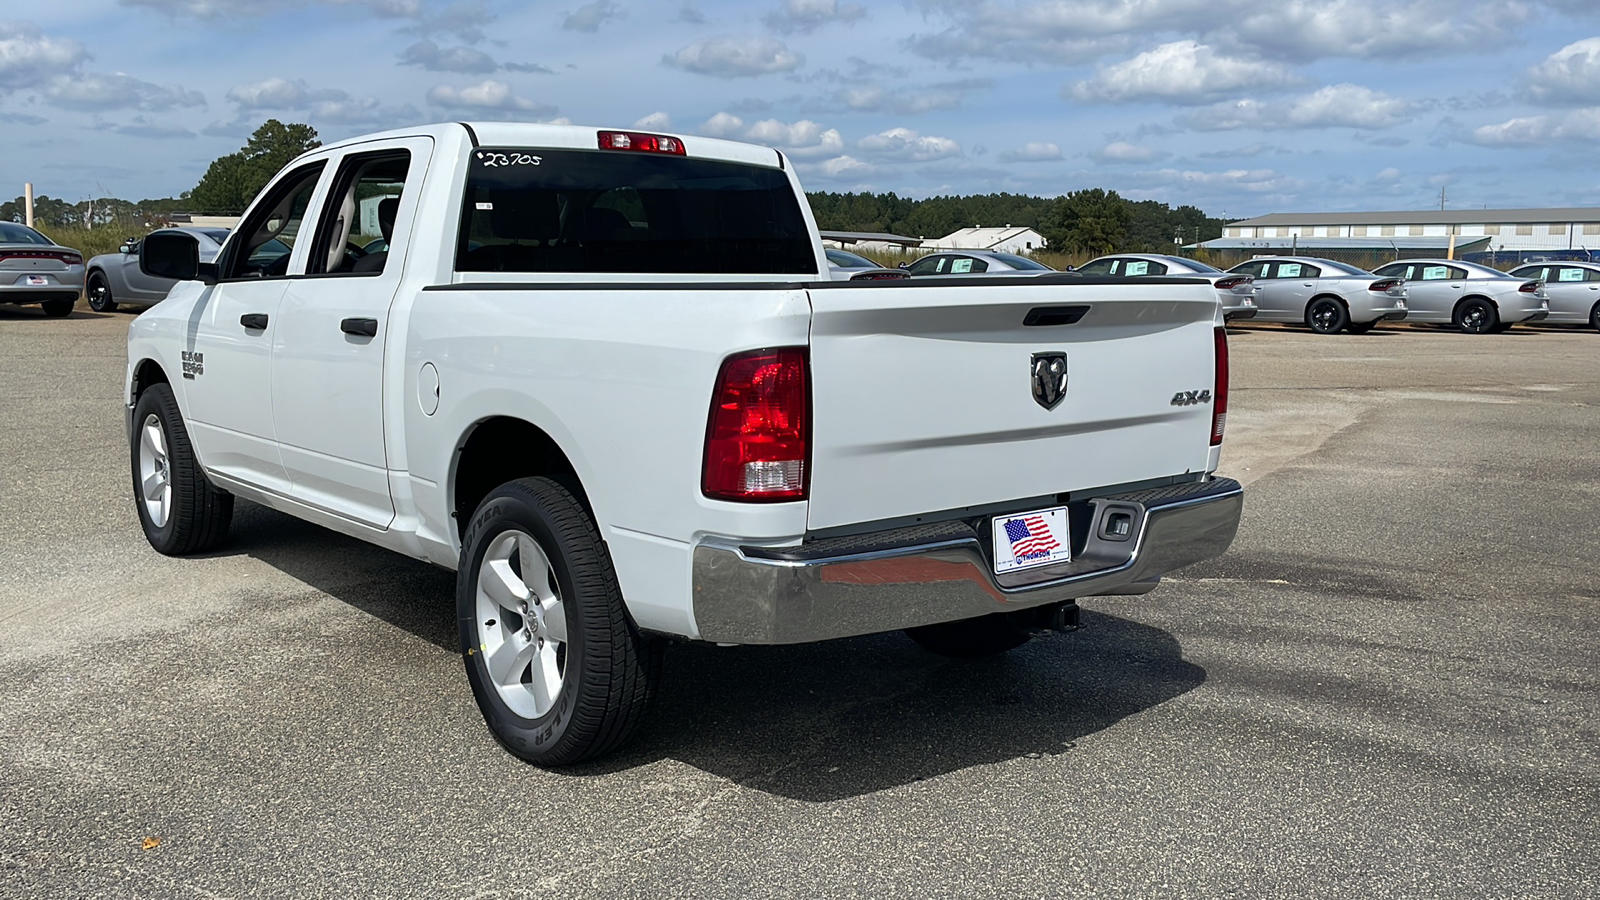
pixel 1441 197
pixel 27 204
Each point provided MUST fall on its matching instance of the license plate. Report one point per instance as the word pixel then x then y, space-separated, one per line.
pixel 38 279
pixel 1030 539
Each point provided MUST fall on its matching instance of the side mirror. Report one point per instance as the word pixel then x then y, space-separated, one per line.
pixel 174 256
pixel 125 248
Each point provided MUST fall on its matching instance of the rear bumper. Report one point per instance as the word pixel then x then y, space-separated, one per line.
pixel 1238 313
pixel 897 579
pixel 1378 309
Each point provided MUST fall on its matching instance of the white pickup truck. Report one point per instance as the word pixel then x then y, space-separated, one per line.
pixel 605 377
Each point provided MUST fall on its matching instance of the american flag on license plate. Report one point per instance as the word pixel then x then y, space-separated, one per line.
pixel 1030 537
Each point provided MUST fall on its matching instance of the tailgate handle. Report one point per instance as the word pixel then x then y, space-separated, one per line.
pixel 360 327
pixel 1054 315
pixel 254 321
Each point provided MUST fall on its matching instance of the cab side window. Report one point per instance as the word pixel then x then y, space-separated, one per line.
pixel 269 234
pixel 358 219
pixel 963 265
pixel 1137 267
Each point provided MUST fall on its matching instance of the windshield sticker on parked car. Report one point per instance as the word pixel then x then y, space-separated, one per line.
pixel 1288 270
pixel 1435 273
pixel 961 265
pixel 1136 268
pixel 1570 275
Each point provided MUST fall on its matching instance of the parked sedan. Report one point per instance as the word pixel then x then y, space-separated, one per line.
pixel 976 262
pixel 115 279
pixel 1474 299
pixel 1236 293
pixel 1573 289
pixel 35 269
pixel 1329 297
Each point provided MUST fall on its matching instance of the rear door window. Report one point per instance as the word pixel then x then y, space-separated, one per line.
pixel 538 210
pixel 1100 267
pixel 1570 273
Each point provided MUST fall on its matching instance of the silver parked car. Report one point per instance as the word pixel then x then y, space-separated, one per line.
pixel 1573 289
pixel 35 269
pixel 1329 297
pixel 1474 299
pixel 846 266
pixel 114 278
pixel 976 262
pixel 1235 292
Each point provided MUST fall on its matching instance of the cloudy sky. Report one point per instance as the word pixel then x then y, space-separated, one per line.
pixel 1241 107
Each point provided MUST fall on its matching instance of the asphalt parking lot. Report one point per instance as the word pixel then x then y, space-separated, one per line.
pixel 1390 687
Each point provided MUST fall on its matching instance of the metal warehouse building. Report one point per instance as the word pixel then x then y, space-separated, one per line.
pixel 1511 231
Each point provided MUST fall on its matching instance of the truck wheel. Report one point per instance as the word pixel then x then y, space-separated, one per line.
pixel 559 671
pixel 971 638
pixel 1475 316
pixel 58 309
pixel 99 294
pixel 179 509
pixel 1326 315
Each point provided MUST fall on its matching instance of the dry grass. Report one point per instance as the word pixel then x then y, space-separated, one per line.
pixel 92 241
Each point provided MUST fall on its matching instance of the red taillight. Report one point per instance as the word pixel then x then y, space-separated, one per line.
pixel 1531 287
pixel 1219 394
pixel 756 441
pixel 1228 284
pixel 71 259
pixel 635 140
pixel 1383 287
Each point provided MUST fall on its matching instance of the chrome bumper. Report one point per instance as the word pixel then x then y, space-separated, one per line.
pixel 897 579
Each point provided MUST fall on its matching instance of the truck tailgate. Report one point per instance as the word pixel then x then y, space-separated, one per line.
pixel 924 399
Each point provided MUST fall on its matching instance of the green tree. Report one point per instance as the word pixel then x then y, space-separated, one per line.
pixel 232 181
pixel 1092 220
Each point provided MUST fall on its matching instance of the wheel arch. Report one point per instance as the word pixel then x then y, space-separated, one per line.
pixel 1327 296
pixel 1484 297
pixel 499 449
pixel 146 373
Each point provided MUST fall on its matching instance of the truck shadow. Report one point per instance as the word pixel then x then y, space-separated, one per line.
pixel 809 722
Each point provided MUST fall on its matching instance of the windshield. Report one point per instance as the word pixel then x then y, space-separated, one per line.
pixel 12 233
pixel 539 210
pixel 1021 262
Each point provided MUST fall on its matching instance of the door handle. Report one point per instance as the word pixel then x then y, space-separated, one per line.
pixel 256 321
pixel 360 327
pixel 1310 283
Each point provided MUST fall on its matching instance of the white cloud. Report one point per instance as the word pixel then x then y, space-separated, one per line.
pixel 1124 152
pixel 1179 72
pixel 273 93
pixel 29 57
pixel 1537 131
pixel 1255 181
pixel 871 97
pixel 844 167
pixel 735 57
pixel 139 126
pixel 1308 30
pixel 430 56
pixel 723 125
pixel 804 16
pixel 802 139
pixel 1570 75
pixel 656 121
pixel 118 90
pixel 487 96
pixel 1335 106
pixel 590 16
pixel 329 105
pixel 1033 151
pixel 905 144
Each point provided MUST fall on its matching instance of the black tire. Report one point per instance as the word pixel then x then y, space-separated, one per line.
pixel 1325 315
pixel 1361 327
pixel 609 670
pixel 197 514
pixel 1475 315
pixel 971 638
pixel 1501 328
pixel 99 293
pixel 58 309
pixel 1594 317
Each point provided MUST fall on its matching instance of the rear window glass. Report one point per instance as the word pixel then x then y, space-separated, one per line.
pixel 11 233
pixel 1022 263
pixel 536 210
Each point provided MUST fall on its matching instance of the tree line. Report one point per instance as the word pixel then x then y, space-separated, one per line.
pixel 1091 220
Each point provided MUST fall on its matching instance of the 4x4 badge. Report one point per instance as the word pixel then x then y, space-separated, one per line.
pixel 1049 379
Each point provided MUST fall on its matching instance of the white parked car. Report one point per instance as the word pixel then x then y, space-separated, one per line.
pixel 1474 299
pixel 1327 296
pixel 1573 289
pixel 604 376
pixel 1236 292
